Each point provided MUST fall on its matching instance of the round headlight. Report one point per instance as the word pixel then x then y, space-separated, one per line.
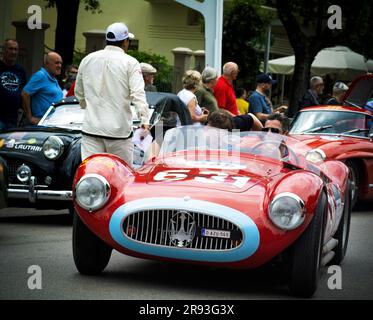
pixel 92 192
pixel 53 148
pixel 316 156
pixel 287 211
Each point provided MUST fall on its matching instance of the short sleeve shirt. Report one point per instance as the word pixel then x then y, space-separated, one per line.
pixel 12 81
pixel 44 90
pixel 224 94
pixel 258 104
pixel 206 99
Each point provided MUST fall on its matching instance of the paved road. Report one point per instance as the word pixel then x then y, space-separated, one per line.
pixel 30 237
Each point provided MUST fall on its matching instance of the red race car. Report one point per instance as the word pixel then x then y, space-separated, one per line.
pixel 236 200
pixel 343 133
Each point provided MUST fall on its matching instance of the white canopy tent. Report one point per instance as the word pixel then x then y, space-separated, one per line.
pixel 340 61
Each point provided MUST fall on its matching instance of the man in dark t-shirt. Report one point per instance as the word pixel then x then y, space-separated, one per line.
pixel 12 81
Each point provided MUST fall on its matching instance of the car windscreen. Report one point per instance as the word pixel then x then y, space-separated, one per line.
pixel 198 144
pixel 331 122
pixel 68 116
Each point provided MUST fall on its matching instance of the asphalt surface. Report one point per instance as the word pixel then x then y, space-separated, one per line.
pixel 43 238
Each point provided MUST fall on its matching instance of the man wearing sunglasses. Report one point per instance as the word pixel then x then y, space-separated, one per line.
pixel 277 123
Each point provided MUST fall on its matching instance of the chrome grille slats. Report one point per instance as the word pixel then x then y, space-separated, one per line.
pixel 153 227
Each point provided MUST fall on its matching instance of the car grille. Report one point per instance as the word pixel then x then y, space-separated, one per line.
pixel 154 227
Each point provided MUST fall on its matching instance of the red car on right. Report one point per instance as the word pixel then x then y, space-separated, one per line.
pixel 343 133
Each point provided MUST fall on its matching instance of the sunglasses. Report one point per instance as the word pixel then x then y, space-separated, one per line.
pixel 274 130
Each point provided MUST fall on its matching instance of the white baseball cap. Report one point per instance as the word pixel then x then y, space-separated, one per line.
pixel 117 32
pixel 147 68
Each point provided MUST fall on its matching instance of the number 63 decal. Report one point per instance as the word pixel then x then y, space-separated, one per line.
pixel 208 177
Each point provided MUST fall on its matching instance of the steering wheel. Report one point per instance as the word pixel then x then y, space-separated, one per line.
pixel 286 150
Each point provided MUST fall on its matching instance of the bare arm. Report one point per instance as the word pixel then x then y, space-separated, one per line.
pixel 257 125
pixel 26 104
pixel 195 118
pixel 261 116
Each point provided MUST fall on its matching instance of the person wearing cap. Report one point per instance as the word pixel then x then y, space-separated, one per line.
pixel 224 91
pixel 148 73
pixel 311 97
pixel 108 81
pixel 259 105
pixel 339 91
pixel 205 92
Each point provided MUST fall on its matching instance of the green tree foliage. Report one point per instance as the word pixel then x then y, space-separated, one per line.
pixel 245 25
pixel 67 18
pixel 306 23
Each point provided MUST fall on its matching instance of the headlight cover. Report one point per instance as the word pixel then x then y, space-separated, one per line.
pixel 287 211
pixel 53 148
pixel 316 156
pixel 92 192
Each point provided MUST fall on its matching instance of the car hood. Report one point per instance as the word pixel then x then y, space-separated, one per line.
pixel 330 144
pixel 232 177
pixel 360 91
pixel 30 140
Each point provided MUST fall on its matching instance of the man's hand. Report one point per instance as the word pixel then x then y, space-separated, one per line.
pixel 281 109
pixel 145 131
pixel 34 120
pixel 145 127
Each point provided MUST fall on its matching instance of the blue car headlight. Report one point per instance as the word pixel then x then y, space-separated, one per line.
pixel 287 211
pixel 92 192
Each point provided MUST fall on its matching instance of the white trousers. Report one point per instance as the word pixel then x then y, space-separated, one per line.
pixel 123 148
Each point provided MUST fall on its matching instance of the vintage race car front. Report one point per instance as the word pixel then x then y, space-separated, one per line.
pixel 192 223
pixel 237 210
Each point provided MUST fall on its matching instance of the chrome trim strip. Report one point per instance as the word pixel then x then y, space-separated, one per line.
pixel 328 134
pixel 63 195
pixel 370 186
pixel 336 110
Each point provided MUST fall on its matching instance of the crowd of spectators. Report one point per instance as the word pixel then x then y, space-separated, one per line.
pixel 110 79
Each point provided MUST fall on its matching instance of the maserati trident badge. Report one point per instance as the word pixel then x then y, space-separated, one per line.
pixel 182 229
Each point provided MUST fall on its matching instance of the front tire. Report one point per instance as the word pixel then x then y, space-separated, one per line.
pixel 91 254
pixel 343 231
pixel 305 262
pixel 354 178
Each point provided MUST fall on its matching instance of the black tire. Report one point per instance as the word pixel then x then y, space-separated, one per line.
pixel 354 177
pixel 343 231
pixel 91 254
pixel 306 255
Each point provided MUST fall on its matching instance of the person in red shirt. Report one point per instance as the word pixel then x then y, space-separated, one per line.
pixel 224 91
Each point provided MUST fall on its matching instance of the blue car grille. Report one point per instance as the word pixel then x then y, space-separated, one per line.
pixel 159 227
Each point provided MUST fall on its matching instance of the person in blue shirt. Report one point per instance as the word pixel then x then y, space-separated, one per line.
pixel 43 89
pixel 260 105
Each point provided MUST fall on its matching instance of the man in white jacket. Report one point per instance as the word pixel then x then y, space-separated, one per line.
pixel 107 83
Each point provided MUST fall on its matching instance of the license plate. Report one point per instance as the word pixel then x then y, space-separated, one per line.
pixel 216 233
